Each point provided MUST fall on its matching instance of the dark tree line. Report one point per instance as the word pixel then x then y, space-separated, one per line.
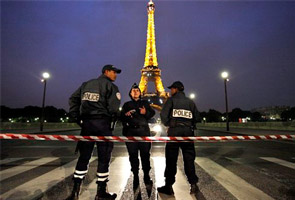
pixel 52 114
pixel 288 114
pixel 32 114
pixel 237 113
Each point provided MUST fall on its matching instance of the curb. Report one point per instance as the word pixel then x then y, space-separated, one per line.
pixel 48 131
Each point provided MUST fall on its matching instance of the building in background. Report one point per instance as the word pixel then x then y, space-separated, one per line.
pixel 271 112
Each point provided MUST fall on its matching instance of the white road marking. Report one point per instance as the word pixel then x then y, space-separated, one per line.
pixel 279 162
pixel 24 167
pixel 119 174
pixel 181 186
pixel 35 187
pixel 238 187
pixel 8 160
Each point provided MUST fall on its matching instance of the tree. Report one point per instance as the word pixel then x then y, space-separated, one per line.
pixel 30 113
pixel 256 116
pixel 213 116
pixel 288 114
pixel 237 113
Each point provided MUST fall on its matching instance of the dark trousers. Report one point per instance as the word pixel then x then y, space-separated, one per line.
pixel 94 127
pixel 139 147
pixel 188 154
pixel 144 149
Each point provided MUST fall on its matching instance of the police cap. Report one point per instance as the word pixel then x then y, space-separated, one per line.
pixel 111 67
pixel 178 85
pixel 134 86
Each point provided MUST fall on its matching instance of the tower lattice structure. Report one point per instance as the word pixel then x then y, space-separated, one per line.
pixel 151 71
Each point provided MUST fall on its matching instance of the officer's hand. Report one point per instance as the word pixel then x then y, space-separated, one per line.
pixel 142 110
pixel 128 114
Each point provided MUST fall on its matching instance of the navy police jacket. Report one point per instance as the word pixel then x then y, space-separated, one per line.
pixel 179 110
pixel 95 98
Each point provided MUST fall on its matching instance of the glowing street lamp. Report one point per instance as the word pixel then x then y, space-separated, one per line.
pixel 45 76
pixel 192 96
pixel 224 75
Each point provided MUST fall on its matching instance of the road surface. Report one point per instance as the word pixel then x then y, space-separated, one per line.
pixel 227 170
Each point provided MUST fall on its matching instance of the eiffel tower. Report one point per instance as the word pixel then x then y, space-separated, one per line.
pixel 151 71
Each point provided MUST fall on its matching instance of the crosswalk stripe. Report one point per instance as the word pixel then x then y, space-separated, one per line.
pixel 181 187
pixel 9 160
pixel 235 185
pixel 159 170
pixel 5 174
pixel 35 187
pixel 279 162
pixel 119 174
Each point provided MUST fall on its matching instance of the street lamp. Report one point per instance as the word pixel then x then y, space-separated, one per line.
pixel 192 96
pixel 45 76
pixel 224 75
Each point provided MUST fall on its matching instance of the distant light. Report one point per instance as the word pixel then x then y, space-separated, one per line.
pixel 45 121
pixel 46 75
pixel 224 75
pixel 120 108
pixel 161 101
pixel 192 96
pixel 28 121
pixel 157 128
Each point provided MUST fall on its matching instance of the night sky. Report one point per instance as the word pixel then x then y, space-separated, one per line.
pixel 196 41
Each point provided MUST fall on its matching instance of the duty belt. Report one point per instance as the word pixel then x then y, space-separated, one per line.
pixel 96 117
pixel 174 123
pixel 137 126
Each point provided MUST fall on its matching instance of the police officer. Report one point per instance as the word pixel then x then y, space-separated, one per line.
pixel 135 115
pixel 180 114
pixel 95 103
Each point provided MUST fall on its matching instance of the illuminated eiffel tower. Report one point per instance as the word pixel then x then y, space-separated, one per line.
pixel 150 71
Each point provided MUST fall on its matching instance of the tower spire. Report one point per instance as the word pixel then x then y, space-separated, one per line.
pixel 150 52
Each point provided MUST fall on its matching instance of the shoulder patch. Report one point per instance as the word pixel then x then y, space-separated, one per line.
pixel 118 95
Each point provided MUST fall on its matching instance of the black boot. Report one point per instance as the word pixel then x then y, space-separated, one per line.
pixel 76 191
pixel 194 188
pixel 135 181
pixel 147 179
pixel 166 189
pixel 102 193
